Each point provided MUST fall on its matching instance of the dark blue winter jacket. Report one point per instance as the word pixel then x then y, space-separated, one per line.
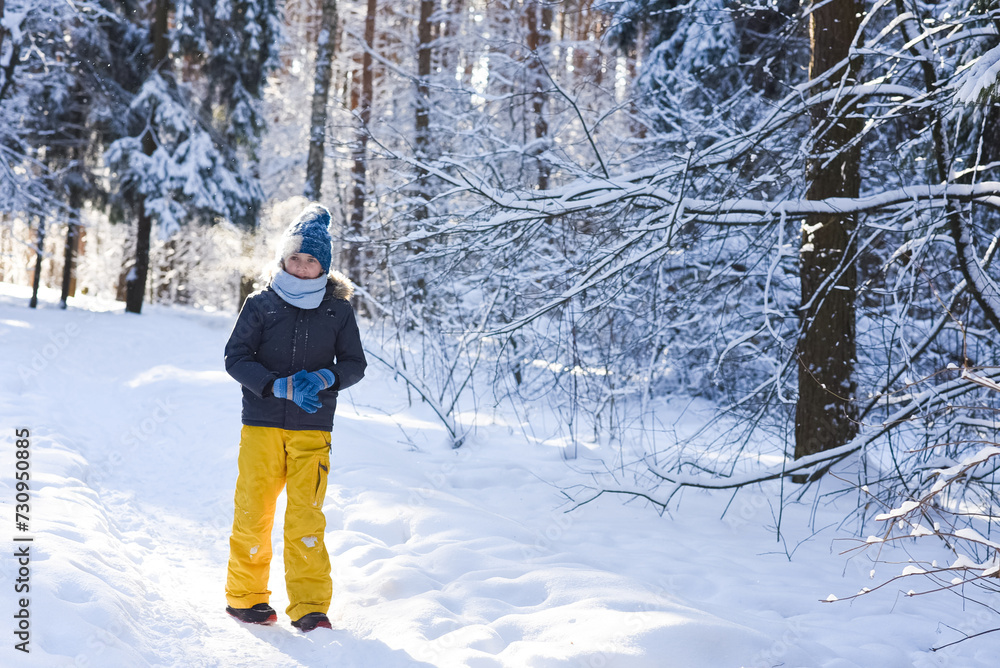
pixel 273 339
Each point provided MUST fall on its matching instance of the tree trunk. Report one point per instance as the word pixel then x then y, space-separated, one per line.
pixel 72 241
pixel 637 124
pixel 984 290
pixel 356 234
pixel 325 47
pixel 135 282
pixel 422 111
pixel 539 18
pixel 422 122
pixel 451 50
pixel 3 31
pixel 586 63
pixel 69 257
pixel 36 280
pixel 8 70
pixel 825 412
pixel 135 289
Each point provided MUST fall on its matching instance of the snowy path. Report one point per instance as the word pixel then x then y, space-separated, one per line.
pixel 440 557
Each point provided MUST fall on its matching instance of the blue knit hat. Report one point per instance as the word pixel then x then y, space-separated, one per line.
pixel 309 233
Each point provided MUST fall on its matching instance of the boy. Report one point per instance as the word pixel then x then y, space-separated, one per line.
pixel 295 345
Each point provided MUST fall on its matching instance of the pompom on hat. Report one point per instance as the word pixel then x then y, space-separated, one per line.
pixel 309 233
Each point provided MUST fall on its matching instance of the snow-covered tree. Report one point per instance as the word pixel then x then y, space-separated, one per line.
pixel 672 265
pixel 228 48
pixel 171 90
pixel 53 109
pixel 174 163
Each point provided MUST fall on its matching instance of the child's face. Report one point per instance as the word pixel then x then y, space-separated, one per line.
pixel 303 265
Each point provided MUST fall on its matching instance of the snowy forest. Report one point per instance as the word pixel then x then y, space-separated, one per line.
pixel 789 209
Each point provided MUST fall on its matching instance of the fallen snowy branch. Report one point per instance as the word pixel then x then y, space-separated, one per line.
pixel 934 398
pixel 921 518
pixel 446 420
pixel 934 573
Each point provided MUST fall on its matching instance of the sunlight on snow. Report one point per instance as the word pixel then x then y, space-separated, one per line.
pixel 403 421
pixel 169 372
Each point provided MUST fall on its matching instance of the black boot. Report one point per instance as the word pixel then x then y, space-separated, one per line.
pixel 313 620
pixel 261 613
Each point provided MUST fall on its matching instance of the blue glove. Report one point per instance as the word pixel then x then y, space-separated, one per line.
pixel 298 389
pixel 318 380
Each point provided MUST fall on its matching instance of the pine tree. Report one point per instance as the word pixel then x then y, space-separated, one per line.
pixel 174 163
pixel 54 95
pixel 229 48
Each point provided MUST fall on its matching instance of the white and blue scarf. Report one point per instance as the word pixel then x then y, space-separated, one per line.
pixel 301 292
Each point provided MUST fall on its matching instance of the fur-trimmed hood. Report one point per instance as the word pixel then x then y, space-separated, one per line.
pixel 342 286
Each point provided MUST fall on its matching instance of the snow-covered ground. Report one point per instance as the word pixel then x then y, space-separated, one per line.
pixel 441 557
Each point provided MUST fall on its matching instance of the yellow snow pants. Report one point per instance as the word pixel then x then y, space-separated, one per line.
pixel 269 460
